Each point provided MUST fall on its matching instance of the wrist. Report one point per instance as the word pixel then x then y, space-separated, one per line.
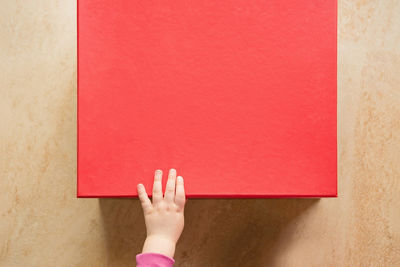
pixel 159 244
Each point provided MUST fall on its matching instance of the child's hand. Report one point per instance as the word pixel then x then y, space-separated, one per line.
pixel 164 217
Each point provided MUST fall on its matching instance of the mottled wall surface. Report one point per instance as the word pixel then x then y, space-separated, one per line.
pixel 43 224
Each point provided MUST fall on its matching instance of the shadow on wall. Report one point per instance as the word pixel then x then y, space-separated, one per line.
pixel 218 232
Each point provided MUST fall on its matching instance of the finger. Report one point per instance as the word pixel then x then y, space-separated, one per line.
pixel 180 197
pixel 157 187
pixel 144 198
pixel 170 188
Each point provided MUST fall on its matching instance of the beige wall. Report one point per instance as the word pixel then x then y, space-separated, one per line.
pixel 43 224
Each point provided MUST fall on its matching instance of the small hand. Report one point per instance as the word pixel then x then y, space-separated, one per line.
pixel 164 217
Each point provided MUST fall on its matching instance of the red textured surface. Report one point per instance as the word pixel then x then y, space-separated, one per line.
pixel 238 96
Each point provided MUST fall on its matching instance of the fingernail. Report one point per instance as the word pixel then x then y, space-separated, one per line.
pixel 173 170
pixel 158 171
pixel 180 178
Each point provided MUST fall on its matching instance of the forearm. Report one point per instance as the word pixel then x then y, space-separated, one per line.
pixel 159 244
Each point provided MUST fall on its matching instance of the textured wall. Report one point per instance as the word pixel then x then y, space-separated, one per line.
pixel 43 224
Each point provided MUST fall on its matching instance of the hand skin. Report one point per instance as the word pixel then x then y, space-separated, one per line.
pixel 164 216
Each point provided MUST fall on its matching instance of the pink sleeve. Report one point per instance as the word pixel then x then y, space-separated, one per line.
pixel 153 260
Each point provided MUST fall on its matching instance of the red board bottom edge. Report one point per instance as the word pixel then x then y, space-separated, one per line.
pixel 225 196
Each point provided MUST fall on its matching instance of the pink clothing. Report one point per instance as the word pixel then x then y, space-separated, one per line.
pixel 153 260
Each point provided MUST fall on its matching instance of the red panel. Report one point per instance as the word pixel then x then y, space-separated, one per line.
pixel 238 96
